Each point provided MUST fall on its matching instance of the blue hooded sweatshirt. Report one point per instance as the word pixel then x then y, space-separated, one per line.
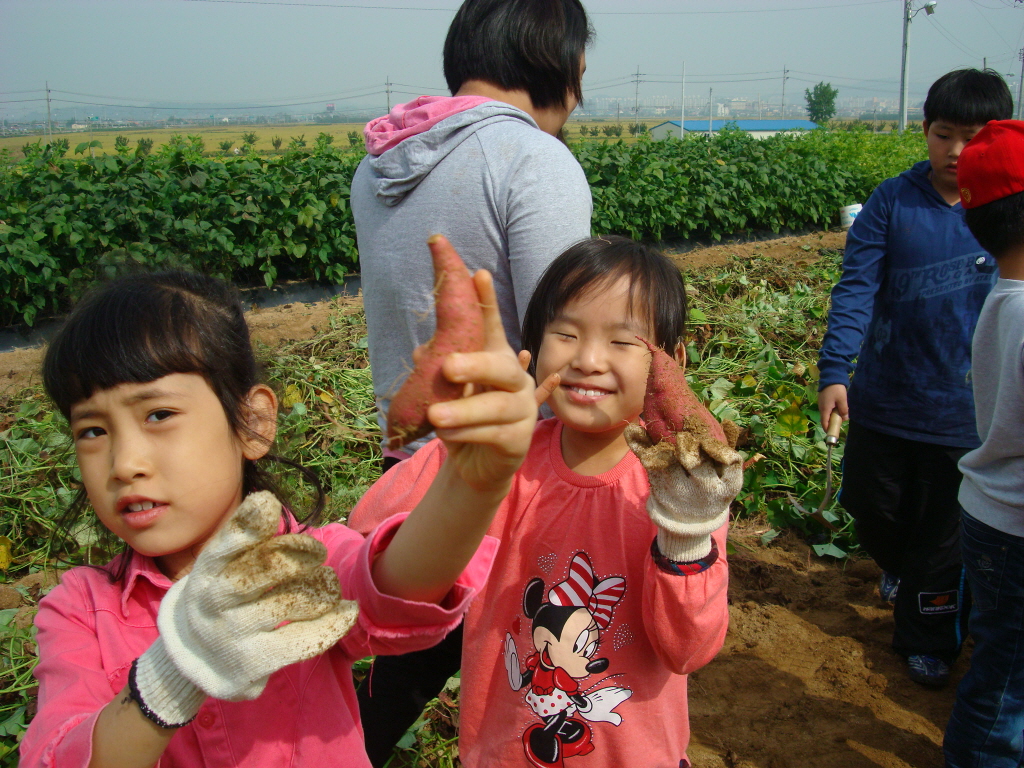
pixel 914 281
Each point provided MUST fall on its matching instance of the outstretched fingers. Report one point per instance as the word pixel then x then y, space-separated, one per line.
pixel 254 520
pixel 494 330
pixel 317 625
pixel 546 387
pixel 272 563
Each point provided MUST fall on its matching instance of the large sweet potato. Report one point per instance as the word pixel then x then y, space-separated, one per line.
pixel 669 400
pixel 460 328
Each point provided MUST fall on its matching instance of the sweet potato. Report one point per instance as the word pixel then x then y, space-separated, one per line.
pixel 669 400
pixel 460 328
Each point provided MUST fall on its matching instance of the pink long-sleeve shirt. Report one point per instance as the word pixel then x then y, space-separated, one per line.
pixel 90 631
pixel 587 542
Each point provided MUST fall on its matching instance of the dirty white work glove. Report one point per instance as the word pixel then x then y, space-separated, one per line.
pixel 692 484
pixel 221 630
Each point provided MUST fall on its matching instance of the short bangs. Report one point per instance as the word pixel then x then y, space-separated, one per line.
pixel 140 328
pixel 657 291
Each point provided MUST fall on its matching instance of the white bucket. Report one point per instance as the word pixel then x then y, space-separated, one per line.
pixel 847 214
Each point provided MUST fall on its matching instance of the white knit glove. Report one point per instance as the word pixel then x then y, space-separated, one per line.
pixel 221 630
pixel 692 484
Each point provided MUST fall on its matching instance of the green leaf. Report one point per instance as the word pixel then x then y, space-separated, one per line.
pixel 697 316
pixel 829 550
pixel 791 422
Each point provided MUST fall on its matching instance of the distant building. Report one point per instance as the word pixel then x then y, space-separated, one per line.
pixel 759 129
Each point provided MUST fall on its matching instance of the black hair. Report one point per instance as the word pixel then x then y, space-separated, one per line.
pixel 141 327
pixel 530 45
pixel 969 97
pixel 656 288
pixel 543 613
pixel 998 226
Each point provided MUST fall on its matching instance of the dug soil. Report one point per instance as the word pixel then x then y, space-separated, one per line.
pixel 807 678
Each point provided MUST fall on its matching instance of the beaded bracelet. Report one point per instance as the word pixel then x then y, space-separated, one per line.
pixel 683 569
pixel 133 693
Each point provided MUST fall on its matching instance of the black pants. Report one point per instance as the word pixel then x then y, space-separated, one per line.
pixel 902 495
pixel 397 689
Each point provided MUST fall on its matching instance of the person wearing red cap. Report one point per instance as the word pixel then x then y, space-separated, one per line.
pixel 914 280
pixel 986 729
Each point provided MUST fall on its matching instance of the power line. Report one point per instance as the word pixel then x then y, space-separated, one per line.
pixel 722 74
pixel 420 87
pixel 310 98
pixel 205 107
pixel 743 11
pixel 952 39
pixel 343 6
pixel 977 8
pixel 843 77
pixel 711 79
pixel 351 6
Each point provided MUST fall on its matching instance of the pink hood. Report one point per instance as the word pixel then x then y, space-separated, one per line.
pixel 417 116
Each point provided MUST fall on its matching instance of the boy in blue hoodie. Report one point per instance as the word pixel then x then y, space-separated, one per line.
pixel 903 313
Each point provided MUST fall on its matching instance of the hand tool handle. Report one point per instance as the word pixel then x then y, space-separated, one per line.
pixel 835 424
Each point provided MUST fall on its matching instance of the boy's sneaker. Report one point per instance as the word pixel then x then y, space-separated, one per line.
pixel 927 670
pixel 888 586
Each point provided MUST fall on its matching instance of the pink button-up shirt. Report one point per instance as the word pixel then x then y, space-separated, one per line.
pixel 90 630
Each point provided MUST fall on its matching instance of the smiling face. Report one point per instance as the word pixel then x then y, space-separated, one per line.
pixel 945 143
pixel 161 465
pixel 592 344
pixel 574 648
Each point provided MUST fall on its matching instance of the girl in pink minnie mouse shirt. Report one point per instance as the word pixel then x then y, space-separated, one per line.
pixel 609 585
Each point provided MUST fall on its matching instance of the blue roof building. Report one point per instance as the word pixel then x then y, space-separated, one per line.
pixel 757 128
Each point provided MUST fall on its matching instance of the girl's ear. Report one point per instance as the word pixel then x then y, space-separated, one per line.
pixel 680 354
pixel 261 422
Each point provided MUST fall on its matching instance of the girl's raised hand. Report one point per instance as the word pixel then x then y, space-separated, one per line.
pixel 488 432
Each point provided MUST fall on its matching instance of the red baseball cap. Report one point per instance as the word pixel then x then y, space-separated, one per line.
pixel 991 166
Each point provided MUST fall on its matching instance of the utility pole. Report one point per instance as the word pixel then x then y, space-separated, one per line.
pixel 636 95
pixel 785 75
pixel 387 88
pixel 49 124
pixel 908 14
pixel 903 67
pixel 1020 81
pixel 711 112
pixel 682 105
pixel 758 106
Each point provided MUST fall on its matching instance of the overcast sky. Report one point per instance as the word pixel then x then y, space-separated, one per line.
pixel 254 52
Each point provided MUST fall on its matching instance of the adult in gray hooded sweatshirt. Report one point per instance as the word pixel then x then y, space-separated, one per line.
pixel 483 167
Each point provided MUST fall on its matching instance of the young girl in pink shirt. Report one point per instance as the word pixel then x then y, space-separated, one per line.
pixel 225 633
pixel 609 584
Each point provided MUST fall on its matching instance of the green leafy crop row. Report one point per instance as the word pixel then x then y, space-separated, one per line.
pixel 66 222
pixel 733 183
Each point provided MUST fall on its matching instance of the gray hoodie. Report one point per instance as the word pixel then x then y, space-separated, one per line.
pixel 509 197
